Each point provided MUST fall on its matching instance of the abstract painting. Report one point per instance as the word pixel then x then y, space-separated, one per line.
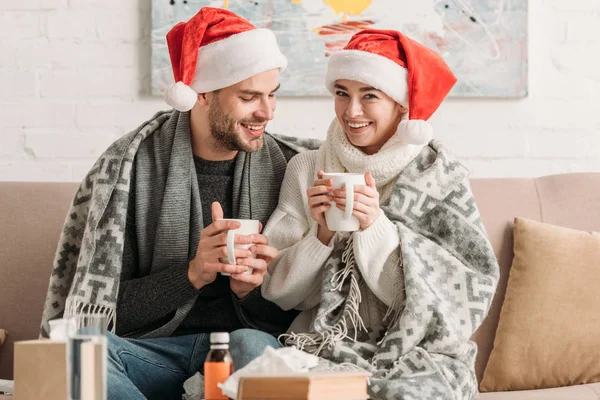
pixel 483 41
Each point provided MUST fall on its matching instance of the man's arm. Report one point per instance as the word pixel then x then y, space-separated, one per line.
pixel 145 300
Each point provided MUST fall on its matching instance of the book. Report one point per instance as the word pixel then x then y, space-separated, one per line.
pixel 305 386
pixel 92 371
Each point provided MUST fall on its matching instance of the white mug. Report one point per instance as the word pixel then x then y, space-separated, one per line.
pixel 338 220
pixel 248 227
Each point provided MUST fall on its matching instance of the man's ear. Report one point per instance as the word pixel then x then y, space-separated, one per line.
pixel 203 99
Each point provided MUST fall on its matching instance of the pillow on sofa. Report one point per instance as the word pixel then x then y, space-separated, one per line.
pixel 2 336
pixel 549 329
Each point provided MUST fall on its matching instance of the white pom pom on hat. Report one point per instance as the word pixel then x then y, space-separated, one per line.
pixel 410 73
pixel 215 49
pixel 180 96
pixel 417 132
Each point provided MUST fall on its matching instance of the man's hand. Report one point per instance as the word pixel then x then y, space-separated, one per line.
pixel 242 284
pixel 203 269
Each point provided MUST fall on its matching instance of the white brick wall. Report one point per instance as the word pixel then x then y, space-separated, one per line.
pixel 75 75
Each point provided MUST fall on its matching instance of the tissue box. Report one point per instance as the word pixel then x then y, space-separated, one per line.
pixel 40 370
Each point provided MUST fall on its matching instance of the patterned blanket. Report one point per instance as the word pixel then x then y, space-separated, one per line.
pixel 450 276
pixel 87 265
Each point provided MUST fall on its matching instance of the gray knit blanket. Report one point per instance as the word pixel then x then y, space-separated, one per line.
pixel 450 275
pixel 86 270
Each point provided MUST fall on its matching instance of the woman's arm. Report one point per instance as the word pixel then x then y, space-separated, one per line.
pixel 293 276
pixel 376 251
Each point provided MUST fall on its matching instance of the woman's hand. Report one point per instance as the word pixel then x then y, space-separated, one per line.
pixel 319 198
pixel 366 202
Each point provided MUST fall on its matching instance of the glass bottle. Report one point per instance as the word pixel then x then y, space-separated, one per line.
pixel 218 366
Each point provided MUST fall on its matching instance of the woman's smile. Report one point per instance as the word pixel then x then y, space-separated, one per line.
pixel 358 127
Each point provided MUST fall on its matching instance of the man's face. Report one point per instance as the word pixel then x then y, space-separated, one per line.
pixel 238 114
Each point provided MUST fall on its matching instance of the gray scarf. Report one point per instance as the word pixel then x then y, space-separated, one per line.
pixel 88 260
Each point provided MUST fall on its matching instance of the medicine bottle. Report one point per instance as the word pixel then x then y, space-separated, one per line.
pixel 218 366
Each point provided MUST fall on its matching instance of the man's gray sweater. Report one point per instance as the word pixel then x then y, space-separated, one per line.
pixel 148 302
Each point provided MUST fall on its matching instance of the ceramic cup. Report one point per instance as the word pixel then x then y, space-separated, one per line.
pixel 338 220
pixel 248 227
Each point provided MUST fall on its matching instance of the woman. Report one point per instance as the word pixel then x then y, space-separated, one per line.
pixel 401 297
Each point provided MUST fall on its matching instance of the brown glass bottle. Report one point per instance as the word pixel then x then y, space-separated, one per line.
pixel 220 355
pixel 218 366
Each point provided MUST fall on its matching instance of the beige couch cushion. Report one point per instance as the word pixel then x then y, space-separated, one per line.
pixel 563 200
pixel 519 197
pixel 580 392
pixel 549 329
pixel 31 219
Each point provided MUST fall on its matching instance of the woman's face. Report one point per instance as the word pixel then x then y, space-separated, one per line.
pixel 368 116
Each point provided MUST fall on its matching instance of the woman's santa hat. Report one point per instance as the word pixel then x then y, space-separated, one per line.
pixel 215 49
pixel 410 73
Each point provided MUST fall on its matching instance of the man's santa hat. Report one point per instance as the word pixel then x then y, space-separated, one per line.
pixel 410 73
pixel 215 49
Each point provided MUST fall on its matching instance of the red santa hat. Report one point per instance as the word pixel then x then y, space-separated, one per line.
pixel 215 49
pixel 410 73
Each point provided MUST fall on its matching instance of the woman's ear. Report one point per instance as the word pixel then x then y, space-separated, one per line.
pixel 403 112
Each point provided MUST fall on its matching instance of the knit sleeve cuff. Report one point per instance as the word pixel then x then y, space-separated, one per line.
pixel 312 249
pixel 180 282
pixel 375 256
pixel 317 251
pixel 314 230
pixel 237 305
pixel 382 230
pixel 295 273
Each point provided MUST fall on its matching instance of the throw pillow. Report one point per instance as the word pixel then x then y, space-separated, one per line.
pixel 2 336
pixel 549 329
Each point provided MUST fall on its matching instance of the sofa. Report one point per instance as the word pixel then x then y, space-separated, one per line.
pixel 32 214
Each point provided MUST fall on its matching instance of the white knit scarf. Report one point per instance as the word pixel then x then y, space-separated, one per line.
pixel 339 155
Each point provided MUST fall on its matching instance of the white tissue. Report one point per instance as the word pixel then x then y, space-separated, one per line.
pixel 62 329
pixel 272 362
pixel 7 387
pixel 194 387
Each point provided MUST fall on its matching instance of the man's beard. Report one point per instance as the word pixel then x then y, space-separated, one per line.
pixel 225 137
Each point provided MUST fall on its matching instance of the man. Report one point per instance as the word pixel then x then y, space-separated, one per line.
pixel 143 239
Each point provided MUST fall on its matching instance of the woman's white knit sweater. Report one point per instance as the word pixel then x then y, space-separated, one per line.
pixel 293 280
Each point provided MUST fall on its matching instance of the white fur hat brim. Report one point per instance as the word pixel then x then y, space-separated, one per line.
pixel 226 62
pixel 369 68
pixel 240 56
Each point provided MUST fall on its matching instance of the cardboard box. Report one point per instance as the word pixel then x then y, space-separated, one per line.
pixel 40 370
pixel 305 386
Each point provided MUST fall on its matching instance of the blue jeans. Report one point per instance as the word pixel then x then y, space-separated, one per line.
pixel 157 368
